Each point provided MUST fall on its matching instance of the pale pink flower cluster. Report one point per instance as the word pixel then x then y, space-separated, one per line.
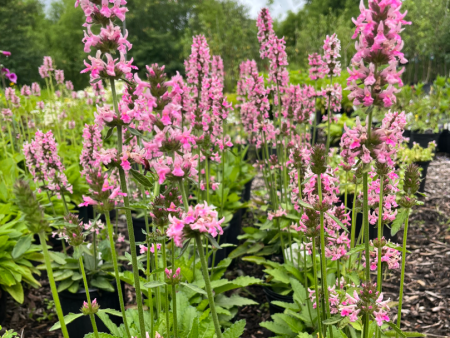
pixel 390 256
pixel 202 219
pixel 317 66
pixel 43 161
pixel 368 301
pixel 95 14
pixel 333 299
pixel 25 91
pixel 380 44
pixel 273 48
pixel 59 76
pixel 197 66
pixel 7 115
pixel 35 89
pixel 94 226
pixel 143 249
pixel 173 276
pixel 69 85
pixel 47 67
pixel 331 48
pixel 355 143
pixel 333 97
pixel 110 38
pixel 389 197
pixel 10 95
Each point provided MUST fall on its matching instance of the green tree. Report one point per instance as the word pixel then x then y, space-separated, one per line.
pixel 20 26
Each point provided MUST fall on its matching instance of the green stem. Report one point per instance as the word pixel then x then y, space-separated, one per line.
pixel 51 280
pixel 402 276
pixel 166 289
pixel 366 224
pixel 123 187
pixel 88 296
pixel 207 178
pixel 174 295
pixel 380 234
pixel 316 282
pixel 322 250
pixel 208 285
pixel 116 271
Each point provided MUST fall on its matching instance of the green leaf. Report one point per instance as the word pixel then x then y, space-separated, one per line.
pixel 109 133
pixel 338 221
pixel 102 283
pixel 57 257
pixel 67 319
pixel 194 329
pixel 22 246
pixel 62 274
pixel 111 312
pixel 108 323
pixel 194 288
pixel 333 320
pixel 235 330
pixel 141 178
pixel 277 328
pixel 294 324
pixel 213 241
pixel 239 282
pixel 234 300
pixel 304 335
pixel 279 275
pixel 65 284
pixel 154 284
pixel 396 329
pixel 16 291
pixel 356 249
pixel 399 220
pixel 304 204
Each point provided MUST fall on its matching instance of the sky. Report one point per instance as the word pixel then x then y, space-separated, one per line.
pixel 278 9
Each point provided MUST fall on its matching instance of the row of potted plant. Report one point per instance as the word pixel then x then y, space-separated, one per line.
pixel 173 151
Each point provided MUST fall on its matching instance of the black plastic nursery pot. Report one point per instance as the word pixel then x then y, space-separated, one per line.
pixel 72 302
pixel 423 139
pixel 373 230
pixel 407 134
pixel 87 213
pixel 424 165
pixel 273 296
pixel 138 227
pixel 3 296
pixel 444 141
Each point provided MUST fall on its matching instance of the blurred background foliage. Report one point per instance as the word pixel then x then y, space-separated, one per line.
pixel 161 31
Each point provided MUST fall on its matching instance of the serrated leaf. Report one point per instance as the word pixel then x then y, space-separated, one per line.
pixel 399 220
pixel 234 300
pixel 141 178
pixel 194 288
pixel 277 328
pixel 111 312
pixel 235 330
pixel 396 329
pixel 154 284
pixel 67 319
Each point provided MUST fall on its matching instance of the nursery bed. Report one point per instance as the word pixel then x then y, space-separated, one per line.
pixel 427 287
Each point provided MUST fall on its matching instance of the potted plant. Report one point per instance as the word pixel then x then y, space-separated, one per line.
pixel 420 156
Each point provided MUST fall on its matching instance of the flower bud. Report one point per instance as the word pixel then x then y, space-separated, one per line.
pixel 318 159
pixel 412 179
pixel 28 204
pixel 90 309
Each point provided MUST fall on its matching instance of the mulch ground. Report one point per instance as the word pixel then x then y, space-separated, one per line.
pixel 427 284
